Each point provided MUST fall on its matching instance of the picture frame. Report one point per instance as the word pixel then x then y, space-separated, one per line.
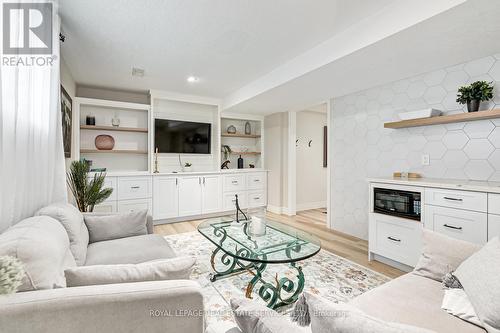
pixel 67 121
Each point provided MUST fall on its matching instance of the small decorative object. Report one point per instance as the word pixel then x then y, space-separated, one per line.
pixel 257 226
pixel 156 161
pixel 104 142
pixel 251 166
pixel 224 165
pixel 187 167
pixel 88 191
pixel 240 163
pixel 425 113
pixel 474 94
pixel 248 128
pixel 11 274
pixel 90 120
pixel 226 150
pixel 115 121
pixel 231 129
pixel 406 175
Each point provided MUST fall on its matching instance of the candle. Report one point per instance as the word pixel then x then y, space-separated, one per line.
pixel 257 226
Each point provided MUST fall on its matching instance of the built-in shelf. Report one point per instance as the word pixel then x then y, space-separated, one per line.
pixel 454 118
pixel 245 152
pixel 251 136
pixel 113 128
pixel 114 151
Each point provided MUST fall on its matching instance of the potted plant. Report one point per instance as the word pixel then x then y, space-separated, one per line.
pixel 187 167
pixel 474 94
pixel 88 191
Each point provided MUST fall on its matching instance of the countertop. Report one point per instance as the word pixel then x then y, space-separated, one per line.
pixel 145 173
pixel 453 184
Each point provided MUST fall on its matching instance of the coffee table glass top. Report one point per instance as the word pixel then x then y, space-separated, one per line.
pixel 280 244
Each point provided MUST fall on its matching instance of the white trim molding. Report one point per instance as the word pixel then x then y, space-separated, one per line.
pixel 311 205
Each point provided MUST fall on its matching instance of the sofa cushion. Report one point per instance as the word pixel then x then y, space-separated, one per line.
pixel 456 303
pixel 42 245
pixel 480 276
pixel 157 270
pixel 72 220
pixel 413 300
pixel 442 254
pixel 329 317
pixel 130 250
pixel 107 227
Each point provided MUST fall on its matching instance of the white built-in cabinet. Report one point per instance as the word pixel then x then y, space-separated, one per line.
pixel 166 194
pixel 211 185
pixel 130 193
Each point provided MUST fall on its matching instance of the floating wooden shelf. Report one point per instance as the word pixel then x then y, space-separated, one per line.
pixel 454 118
pixel 115 151
pixel 245 152
pixel 113 128
pixel 251 136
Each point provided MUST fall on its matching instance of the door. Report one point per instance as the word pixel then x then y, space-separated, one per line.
pixel 165 198
pixel 134 205
pixel 211 194
pixel 190 195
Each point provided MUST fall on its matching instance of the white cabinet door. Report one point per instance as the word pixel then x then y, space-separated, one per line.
pixel 134 205
pixel 256 181
pixel 165 198
pixel 134 188
pixel 457 223
pixel 229 200
pixel 236 182
pixel 493 226
pixel 211 194
pixel 190 195
pixel 108 206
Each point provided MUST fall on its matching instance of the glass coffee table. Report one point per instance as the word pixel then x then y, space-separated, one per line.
pixel 238 250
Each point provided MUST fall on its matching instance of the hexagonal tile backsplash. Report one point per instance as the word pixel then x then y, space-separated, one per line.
pixel 367 149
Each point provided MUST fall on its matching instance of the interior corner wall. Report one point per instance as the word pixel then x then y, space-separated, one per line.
pixel 311 175
pixel 360 147
pixel 112 94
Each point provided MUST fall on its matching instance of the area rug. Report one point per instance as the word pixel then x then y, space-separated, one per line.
pixel 326 274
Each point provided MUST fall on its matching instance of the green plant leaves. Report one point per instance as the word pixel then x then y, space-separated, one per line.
pixel 479 90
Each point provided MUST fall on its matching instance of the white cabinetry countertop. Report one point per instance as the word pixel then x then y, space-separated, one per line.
pixel 452 184
pixel 180 173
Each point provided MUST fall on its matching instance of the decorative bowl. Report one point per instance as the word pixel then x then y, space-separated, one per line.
pixel 104 142
pixel 425 113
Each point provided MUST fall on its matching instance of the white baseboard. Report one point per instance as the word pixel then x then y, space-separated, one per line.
pixel 274 209
pixel 311 205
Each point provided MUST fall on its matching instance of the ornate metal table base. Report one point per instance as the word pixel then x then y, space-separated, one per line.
pixel 279 293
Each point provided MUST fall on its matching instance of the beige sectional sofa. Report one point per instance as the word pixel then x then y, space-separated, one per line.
pixel 48 246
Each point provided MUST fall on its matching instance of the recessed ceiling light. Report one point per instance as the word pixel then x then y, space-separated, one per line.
pixel 137 72
pixel 193 79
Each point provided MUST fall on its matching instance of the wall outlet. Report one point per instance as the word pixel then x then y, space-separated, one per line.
pixel 426 160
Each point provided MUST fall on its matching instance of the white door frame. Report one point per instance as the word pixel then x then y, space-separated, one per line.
pixel 292 164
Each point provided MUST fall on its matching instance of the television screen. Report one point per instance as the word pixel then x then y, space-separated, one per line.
pixel 182 137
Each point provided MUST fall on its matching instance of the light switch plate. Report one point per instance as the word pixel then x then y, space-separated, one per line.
pixel 426 160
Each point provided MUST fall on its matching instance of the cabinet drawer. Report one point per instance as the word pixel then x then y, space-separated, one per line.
pixel 234 183
pixel 396 239
pixel 256 198
pixel 128 206
pixel 108 206
pixel 256 181
pixel 493 226
pixel 228 200
pixel 134 188
pixel 493 203
pixel 475 201
pixel 461 224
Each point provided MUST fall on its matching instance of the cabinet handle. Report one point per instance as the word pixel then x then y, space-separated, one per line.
pixel 199 180
pixel 453 199
pixel 234 182
pixel 176 181
pixel 256 180
pixel 203 180
pixel 135 187
pixel 452 227
pixel 394 239
pixel 256 198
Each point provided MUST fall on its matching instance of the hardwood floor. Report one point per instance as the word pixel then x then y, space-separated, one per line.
pixel 314 222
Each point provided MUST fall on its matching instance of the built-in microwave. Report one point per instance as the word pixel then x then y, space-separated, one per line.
pixel 397 203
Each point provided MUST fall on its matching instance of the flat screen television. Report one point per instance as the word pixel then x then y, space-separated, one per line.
pixel 182 137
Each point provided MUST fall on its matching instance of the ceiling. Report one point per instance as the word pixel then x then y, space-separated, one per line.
pixel 226 43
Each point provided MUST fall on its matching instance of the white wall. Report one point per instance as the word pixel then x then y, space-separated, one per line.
pixel 361 147
pixel 168 109
pixel 311 175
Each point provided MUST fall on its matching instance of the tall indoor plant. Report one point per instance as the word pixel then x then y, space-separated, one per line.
pixel 88 191
pixel 474 94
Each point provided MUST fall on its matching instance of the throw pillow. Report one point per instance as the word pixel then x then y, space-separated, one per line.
pixel 441 254
pixel 456 303
pixel 106 227
pixel 253 317
pixel 72 220
pixel 480 276
pixel 329 317
pixel 179 268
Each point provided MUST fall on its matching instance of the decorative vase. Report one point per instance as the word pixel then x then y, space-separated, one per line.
pixel 473 106
pixel 248 128
pixel 104 142
pixel 240 163
pixel 90 120
pixel 115 121
pixel 231 129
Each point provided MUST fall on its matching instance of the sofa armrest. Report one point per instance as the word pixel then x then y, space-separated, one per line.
pixel 149 219
pixel 159 306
